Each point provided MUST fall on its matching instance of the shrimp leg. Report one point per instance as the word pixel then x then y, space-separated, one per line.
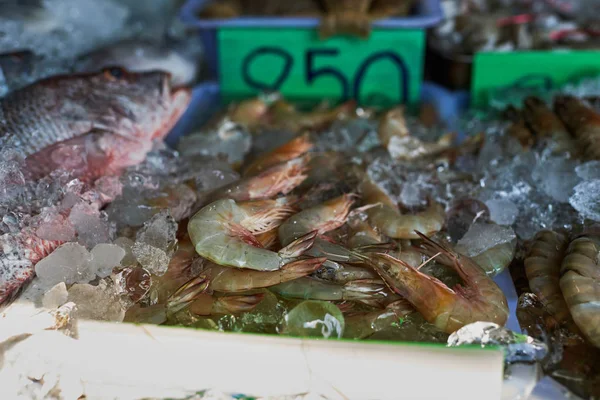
pixel 314 289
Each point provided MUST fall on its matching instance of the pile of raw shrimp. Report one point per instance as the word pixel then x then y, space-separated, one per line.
pixel 340 222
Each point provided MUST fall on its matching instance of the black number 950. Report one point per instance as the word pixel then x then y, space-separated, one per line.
pixel 313 73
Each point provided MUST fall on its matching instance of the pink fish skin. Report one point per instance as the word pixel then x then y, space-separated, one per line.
pixel 110 118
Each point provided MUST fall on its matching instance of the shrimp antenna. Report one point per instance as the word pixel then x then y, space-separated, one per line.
pixel 424 263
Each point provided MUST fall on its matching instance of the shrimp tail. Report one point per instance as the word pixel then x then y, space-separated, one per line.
pixel 299 268
pixel 299 246
pixel 187 293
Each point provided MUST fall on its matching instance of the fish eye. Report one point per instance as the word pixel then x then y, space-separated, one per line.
pixel 115 73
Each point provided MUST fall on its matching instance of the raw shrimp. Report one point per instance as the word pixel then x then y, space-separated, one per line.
pixel 518 129
pixel 224 230
pixel 582 121
pixel 314 289
pixel 363 233
pixel 392 123
pixel 231 280
pixel 322 218
pixel 361 325
pixel 293 149
pixel 388 220
pixel 269 239
pixel 479 300
pixel 580 284
pixel 282 178
pixel 285 115
pixel 542 267
pixel 191 301
pixel 545 124
pixel 252 112
pixel 410 148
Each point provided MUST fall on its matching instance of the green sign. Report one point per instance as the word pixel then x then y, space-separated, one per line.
pixel 539 70
pixel 384 70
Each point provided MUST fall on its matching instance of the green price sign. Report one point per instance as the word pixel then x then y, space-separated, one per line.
pixel 537 70
pixel 384 70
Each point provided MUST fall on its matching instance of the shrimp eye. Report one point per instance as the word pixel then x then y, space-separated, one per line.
pixel 115 73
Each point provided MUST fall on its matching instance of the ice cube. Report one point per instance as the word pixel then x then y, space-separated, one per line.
pixel 126 244
pixel 517 347
pixel 105 257
pixel 134 282
pixel 155 260
pixel 54 226
pixel 586 199
pixel 108 187
pixel 229 139
pixel 55 297
pixel 129 210
pixel 502 211
pixel 90 227
pixel 35 291
pixel 348 135
pixel 413 195
pixel 96 302
pixel 483 236
pixel 314 318
pixel 213 174
pixel 557 177
pixel 159 232
pixel 70 263
pixel 589 170
pixel 463 214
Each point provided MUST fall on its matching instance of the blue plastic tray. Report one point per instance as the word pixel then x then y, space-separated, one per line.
pixel 429 13
pixel 206 100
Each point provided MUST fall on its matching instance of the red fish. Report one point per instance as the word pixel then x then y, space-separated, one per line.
pixel 92 124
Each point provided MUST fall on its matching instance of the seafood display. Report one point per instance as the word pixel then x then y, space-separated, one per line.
pixel 335 221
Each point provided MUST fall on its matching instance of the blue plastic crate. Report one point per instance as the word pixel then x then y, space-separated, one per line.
pixel 429 13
